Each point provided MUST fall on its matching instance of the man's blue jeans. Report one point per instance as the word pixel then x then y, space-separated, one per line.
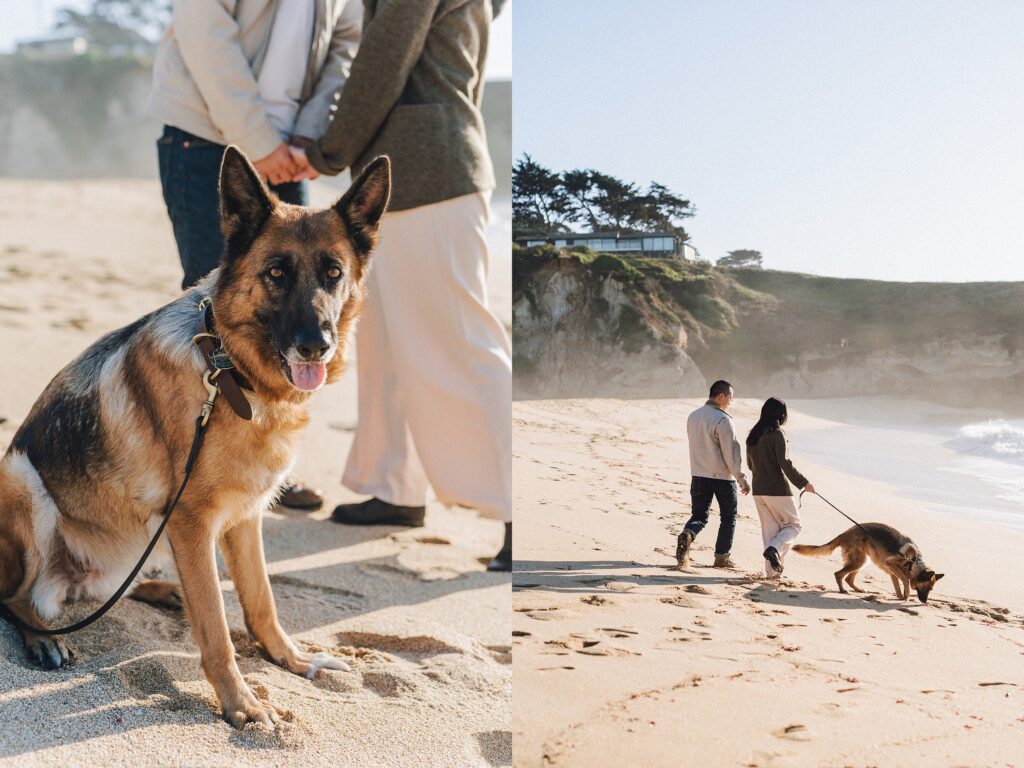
pixel 702 491
pixel 189 174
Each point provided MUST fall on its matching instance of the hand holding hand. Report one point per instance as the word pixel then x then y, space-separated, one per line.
pixel 305 170
pixel 745 491
pixel 809 488
pixel 277 167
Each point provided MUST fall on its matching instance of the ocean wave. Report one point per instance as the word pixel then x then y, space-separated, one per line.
pixel 997 439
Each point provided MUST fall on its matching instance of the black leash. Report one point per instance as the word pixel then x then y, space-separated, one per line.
pixel 197 442
pixel 217 363
pixel 837 509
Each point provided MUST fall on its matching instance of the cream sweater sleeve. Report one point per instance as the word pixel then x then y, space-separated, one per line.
pixel 207 35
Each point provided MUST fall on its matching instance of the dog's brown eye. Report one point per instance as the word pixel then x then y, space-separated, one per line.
pixel 334 273
pixel 276 272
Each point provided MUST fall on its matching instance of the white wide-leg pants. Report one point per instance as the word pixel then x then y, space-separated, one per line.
pixel 434 366
pixel 780 524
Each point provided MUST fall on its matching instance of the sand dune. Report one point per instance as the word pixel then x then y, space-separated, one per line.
pixel 424 627
pixel 619 659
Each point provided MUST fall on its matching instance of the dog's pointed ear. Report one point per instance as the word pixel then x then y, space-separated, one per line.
pixel 245 203
pixel 939 576
pixel 362 206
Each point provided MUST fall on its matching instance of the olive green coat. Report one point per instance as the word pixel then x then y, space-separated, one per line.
pixel 414 94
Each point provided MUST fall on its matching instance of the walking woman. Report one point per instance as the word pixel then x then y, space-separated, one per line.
pixel 770 465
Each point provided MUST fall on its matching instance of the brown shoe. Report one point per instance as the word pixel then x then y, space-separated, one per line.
pixel 683 549
pixel 295 496
pixel 724 561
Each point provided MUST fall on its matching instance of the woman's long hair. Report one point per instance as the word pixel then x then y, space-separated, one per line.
pixel 773 416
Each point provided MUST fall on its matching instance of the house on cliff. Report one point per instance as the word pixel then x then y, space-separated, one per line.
pixel 119 43
pixel 652 244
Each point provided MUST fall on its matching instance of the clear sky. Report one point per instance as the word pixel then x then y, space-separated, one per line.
pixel 26 19
pixel 856 139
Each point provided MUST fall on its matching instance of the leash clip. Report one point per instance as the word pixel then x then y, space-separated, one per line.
pixel 211 394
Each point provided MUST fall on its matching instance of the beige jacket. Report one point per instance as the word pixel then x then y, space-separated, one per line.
pixel 415 94
pixel 714 449
pixel 204 76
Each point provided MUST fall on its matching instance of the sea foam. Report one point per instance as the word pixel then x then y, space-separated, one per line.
pixel 997 439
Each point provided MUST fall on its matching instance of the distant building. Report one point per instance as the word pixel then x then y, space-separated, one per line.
pixel 130 44
pixel 53 48
pixel 657 244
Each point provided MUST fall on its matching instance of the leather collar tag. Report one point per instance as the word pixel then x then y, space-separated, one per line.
pixel 221 369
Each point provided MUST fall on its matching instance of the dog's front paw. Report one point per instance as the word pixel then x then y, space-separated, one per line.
pixel 308 664
pixel 325 661
pixel 48 651
pixel 246 708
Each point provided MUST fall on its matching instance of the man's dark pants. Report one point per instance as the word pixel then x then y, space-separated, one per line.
pixel 189 174
pixel 702 491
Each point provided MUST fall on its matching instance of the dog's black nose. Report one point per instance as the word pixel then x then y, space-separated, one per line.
pixel 311 345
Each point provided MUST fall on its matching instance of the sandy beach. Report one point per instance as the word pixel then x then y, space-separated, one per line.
pixel 423 625
pixel 619 659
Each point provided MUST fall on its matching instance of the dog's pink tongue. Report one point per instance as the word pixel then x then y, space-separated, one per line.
pixel 308 376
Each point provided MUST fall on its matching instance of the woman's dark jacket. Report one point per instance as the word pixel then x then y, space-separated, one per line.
pixel 769 462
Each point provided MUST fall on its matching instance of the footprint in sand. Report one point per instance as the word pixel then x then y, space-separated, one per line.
pixel 388 685
pixel 619 632
pixel 795 732
pixel 500 653
pixel 680 601
pixel 590 645
pixel 977 608
pixel 620 586
pixel 539 613
pixel 432 540
pixel 147 678
pixel 416 648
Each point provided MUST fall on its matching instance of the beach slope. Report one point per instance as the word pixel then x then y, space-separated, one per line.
pixel 620 659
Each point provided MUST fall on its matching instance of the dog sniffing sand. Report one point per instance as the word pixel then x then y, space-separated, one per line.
pixel 895 554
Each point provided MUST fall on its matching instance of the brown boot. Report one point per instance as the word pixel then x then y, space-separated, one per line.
pixel 297 496
pixel 724 561
pixel 683 549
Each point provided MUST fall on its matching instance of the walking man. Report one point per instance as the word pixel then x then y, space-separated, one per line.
pixel 715 459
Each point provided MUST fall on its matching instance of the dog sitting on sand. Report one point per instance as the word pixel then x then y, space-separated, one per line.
pixel 888 549
pixel 94 467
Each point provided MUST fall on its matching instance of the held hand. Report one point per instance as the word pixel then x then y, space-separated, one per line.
pixel 277 167
pixel 305 170
pixel 745 491
pixel 809 488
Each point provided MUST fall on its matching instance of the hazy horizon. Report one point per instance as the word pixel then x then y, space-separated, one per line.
pixel 864 140
pixel 23 21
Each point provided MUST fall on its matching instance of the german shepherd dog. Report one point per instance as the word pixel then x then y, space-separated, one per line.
pixel 91 471
pixel 888 549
